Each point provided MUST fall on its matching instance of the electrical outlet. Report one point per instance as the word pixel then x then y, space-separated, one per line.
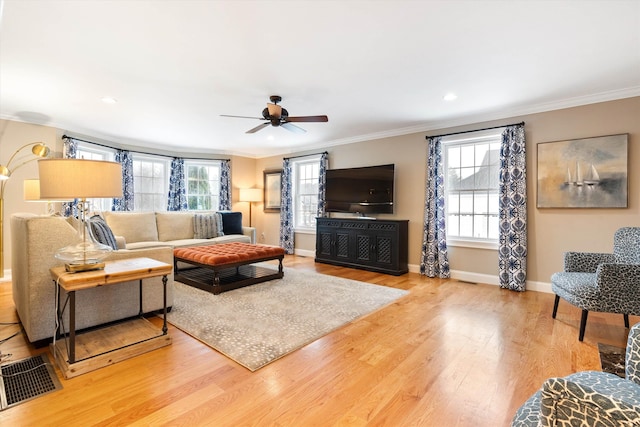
pixel 262 238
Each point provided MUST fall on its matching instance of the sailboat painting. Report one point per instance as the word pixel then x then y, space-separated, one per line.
pixel 583 173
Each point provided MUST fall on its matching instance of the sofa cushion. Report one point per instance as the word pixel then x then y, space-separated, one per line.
pixel 101 232
pixel 133 226
pixel 207 226
pixel 231 222
pixel 174 225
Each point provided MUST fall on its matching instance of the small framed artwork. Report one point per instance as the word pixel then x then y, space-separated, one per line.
pixel 272 181
pixel 583 173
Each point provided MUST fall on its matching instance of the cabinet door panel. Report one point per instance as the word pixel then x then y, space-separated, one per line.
pixel 384 249
pixel 342 245
pixel 363 247
pixel 324 243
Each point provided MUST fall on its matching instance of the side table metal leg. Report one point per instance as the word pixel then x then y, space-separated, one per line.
pixel 58 330
pixel 140 312
pixel 72 327
pixel 164 296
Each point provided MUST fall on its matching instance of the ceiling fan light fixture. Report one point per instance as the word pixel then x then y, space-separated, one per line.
pixel 274 110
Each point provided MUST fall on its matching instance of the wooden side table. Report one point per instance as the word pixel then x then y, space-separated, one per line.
pixel 77 354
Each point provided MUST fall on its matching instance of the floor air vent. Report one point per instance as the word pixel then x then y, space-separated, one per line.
pixel 27 379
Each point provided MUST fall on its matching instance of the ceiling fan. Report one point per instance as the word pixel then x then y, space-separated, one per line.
pixel 275 115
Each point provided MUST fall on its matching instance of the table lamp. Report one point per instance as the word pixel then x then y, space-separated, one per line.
pixel 250 195
pixel 81 179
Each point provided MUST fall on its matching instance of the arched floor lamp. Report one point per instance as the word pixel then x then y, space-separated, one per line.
pixel 39 149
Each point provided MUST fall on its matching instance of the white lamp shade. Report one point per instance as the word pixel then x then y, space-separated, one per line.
pixel 250 195
pixel 79 178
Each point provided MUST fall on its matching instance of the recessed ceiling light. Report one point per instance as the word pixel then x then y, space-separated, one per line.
pixel 109 100
pixel 450 97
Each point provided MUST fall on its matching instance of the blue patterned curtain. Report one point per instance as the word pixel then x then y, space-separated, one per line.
pixel 434 261
pixel 225 185
pixel 177 200
pixel 322 184
pixel 125 203
pixel 70 151
pixel 286 208
pixel 512 246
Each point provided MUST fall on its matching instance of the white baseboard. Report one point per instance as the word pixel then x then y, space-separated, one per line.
pixel 305 253
pixel 6 277
pixel 467 276
pixel 493 280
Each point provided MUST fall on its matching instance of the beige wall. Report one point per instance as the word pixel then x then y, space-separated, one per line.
pixel 551 231
pixel 14 135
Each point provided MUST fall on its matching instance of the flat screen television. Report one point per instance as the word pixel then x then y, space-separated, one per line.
pixel 364 190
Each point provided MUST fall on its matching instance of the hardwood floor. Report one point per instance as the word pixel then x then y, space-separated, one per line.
pixel 447 354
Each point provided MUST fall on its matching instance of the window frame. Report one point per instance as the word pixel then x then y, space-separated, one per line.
pixel 166 162
pixel 296 165
pixel 96 152
pixel 208 164
pixel 466 139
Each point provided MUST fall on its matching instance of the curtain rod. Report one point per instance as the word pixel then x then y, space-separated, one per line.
pixel 474 130
pixel 139 152
pixel 304 155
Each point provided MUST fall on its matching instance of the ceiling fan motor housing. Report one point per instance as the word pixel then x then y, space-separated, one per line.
pixel 275 121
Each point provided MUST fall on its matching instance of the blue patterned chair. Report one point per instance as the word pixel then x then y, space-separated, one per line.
pixel 605 282
pixel 589 398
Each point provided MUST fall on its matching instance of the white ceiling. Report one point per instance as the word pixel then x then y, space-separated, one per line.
pixel 376 68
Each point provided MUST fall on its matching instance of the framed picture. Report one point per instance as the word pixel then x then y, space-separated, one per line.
pixel 583 173
pixel 272 180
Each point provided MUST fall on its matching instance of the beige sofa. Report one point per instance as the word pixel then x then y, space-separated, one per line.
pixel 135 230
pixel 35 239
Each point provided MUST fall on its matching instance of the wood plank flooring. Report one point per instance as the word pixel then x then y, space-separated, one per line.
pixel 447 354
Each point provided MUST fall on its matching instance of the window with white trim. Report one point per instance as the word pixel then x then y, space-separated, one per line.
pixel 305 179
pixel 472 170
pixel 93 152
pixel 150 182
pixel 203 184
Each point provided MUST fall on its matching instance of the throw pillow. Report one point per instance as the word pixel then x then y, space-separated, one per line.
pixel 207 226
pixel 231 222
pixel 101 232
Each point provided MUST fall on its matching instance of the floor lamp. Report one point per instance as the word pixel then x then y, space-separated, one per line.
pixel 81 179
pixel 31 193
pixel 250 195
pixel 39 149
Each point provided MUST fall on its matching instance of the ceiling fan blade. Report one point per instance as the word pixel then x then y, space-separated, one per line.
pixel 257 128
pixel 242 117
pixel 308 119
pixel 293 128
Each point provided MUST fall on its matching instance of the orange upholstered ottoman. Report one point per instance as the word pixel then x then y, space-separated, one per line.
pixel 230 263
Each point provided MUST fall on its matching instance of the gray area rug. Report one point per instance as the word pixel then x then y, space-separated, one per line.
pixel 261 323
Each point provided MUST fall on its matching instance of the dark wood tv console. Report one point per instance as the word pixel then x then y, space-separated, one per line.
pixel 368 244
